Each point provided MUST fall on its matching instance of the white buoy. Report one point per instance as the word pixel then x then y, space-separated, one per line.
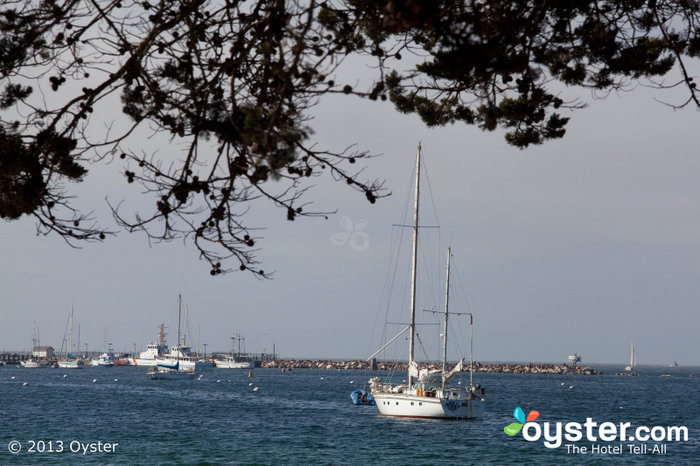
pixel 25 384
pixel 218 380
pixel 65 375
pixel 250 384
pixel 571 386
pixel 321 378
pixel 116 380
pixel 352 381
pixel 94 380
pixel 459 383
pixel 562 384
pixel 256 389
pixel 13 377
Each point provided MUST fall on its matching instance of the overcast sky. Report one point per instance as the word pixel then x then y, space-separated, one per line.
pixel 581 245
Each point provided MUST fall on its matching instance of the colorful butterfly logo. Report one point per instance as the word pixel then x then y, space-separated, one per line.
pixel 519 414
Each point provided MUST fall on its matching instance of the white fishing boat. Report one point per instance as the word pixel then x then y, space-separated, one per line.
pixel 427 393
pixel 153 351
pixel 71 360
pixel 633 360
pixel 167 370
pixel 106 359
pixel 235 360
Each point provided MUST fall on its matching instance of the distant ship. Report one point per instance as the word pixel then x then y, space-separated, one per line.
pixel 574 358
pixel 673 364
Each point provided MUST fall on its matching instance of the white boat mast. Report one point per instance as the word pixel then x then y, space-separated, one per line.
pixel 70 331
pixel 179 311
pixel 444 330
pixel 412 324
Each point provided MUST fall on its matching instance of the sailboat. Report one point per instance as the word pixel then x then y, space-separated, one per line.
pixel 633 361
pixel 106 359
pixel 32 362
pixel 71 360
pixel 165 370
pixel 427 393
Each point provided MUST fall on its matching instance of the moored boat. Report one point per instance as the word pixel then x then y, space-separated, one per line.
pixel 153 351
pixel 427 393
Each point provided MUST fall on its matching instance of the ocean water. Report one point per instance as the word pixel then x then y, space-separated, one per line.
pixel 306 417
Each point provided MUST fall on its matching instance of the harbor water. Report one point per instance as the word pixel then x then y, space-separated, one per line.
pixel 119 416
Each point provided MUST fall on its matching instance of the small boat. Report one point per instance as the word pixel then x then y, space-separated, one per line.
pixel 106 359
pixel 170 373
pixel 673 364
pixel 361 397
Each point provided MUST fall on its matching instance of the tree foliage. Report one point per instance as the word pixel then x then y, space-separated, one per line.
pixel 233 82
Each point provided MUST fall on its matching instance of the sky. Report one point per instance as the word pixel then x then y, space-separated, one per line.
pixel 584 244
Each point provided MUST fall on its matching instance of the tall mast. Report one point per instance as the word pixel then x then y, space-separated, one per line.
pixel 70 331
pixel 179 309
pixel 412 323
pixel 444 331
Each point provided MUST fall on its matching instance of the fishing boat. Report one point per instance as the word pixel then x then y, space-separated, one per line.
pixel 70 361
pixel 236 360
pixel 427 394
pixel 164 370
pixel 633 360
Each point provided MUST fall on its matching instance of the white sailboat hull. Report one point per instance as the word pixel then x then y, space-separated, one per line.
pixel 404 405
pixel 185 364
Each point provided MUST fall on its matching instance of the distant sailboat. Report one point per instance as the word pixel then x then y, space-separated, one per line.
pixel 633 361
pixel 71 360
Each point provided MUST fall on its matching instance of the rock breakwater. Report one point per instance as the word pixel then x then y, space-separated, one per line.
pixel 513 368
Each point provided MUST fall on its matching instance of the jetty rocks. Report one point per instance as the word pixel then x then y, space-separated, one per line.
pixel 512 368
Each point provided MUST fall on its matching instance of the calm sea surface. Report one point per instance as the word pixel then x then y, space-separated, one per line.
pixel 306 416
